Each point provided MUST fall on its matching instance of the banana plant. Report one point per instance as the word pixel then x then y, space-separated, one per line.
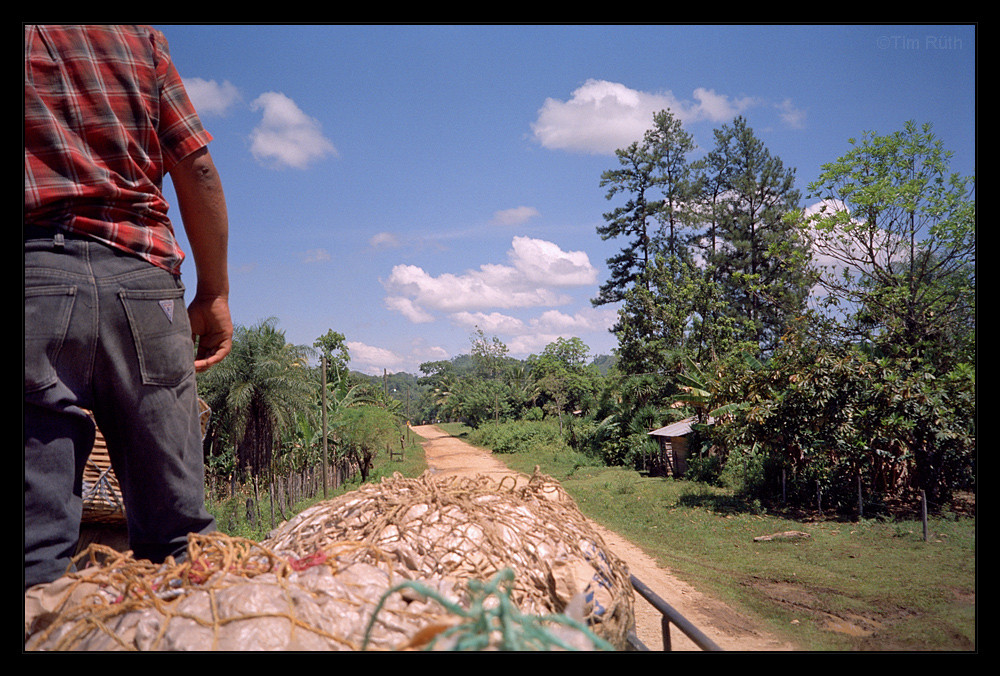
pixel 703 389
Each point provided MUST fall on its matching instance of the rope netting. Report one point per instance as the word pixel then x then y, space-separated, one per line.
pixel 473 528
pixel 391 566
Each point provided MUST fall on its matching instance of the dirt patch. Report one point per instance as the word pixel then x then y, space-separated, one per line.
pixel 729 629
pixel 808 603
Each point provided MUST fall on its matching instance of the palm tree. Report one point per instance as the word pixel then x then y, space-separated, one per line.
pixel 256 392
pixel 706 391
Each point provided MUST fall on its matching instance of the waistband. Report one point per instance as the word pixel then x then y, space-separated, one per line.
pixel 49 232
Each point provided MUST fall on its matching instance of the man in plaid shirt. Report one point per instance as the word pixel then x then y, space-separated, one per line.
pixel 106 330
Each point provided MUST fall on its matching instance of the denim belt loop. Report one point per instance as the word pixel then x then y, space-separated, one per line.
pixel 55 234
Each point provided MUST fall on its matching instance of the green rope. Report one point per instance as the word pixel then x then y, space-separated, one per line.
pixel 518 632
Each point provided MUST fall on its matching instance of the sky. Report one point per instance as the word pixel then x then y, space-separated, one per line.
pixel 408 185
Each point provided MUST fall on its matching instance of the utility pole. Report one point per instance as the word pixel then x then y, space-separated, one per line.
pixel 324 429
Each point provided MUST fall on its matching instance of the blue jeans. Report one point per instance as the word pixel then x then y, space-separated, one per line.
pixel 107 332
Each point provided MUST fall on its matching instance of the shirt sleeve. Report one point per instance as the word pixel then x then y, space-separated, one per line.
pixel 180 129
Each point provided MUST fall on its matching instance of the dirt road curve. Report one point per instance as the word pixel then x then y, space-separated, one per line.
pixel 727 628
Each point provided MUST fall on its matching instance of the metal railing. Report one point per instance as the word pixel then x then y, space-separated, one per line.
pixel 670 616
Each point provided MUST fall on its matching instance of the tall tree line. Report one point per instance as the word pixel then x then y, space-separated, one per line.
pixel 708 263
pixel 834 346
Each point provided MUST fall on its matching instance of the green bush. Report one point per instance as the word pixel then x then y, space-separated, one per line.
pixel 815 423
pixel 518 435
pixel 707 469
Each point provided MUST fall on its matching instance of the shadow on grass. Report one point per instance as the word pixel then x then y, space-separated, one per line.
pixel 718 502
pixel 721 503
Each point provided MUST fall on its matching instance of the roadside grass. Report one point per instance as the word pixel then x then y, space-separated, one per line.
pixel 231 513
pixel 870 584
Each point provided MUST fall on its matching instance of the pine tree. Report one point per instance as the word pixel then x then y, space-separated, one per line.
pixel 758 256
pixel 634 221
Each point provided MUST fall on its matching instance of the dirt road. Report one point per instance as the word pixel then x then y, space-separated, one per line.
pixel 727 628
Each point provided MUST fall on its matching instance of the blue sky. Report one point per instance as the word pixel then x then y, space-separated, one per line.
pixel 404 185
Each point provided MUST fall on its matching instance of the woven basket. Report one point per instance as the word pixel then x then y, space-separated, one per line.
pixel 102 496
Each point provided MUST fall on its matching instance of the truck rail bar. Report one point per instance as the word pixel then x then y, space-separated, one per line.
pixel 669 616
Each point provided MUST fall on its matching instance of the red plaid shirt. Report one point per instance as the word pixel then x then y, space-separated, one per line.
pixel 105 118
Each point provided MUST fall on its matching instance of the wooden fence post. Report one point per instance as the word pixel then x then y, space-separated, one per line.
pixel 861 502
pixel 923 511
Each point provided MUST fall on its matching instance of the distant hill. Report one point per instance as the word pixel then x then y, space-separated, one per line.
pixel 604 362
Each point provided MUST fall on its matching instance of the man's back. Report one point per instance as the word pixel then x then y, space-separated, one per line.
pixel 105 118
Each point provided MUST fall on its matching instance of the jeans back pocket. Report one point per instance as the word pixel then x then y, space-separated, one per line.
pixel 47 312
pixel 162 334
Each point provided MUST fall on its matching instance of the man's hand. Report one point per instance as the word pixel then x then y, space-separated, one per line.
pixel 212 330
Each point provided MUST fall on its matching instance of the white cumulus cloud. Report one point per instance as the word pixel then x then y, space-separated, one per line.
pixel 490 322
pixel 372 359
pixel 715 107
pixel 602 116
pixel 210 97
pixel 536 271
pixel 524 337
pixel 542 262
pixel 286 136
pixel 409 309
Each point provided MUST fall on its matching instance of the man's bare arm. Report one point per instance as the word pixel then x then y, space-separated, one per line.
pixel 206 222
